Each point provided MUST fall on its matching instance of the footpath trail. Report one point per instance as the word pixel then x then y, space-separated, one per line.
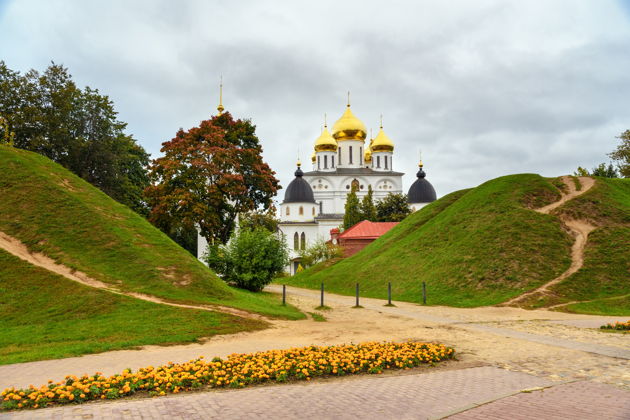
pixel 511 361
pixel 580 229
pixel 20 250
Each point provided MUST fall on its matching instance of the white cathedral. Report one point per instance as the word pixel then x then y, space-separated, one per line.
pixel 314 201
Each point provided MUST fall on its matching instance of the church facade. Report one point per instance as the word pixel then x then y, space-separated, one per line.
pixel 343 159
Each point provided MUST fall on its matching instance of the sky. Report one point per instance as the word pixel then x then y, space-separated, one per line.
pixel 483 89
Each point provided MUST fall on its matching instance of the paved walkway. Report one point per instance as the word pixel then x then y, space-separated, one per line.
pixel 417 396
pixel 573 401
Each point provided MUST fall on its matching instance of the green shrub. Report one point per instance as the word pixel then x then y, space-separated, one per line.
pixel 250 260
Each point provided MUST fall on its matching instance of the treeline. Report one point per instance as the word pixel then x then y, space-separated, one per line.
pixel 392 208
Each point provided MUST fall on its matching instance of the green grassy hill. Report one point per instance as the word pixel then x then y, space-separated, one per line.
pixel 58 214
pixel 485 245
pixel 473 247
pixel 46 316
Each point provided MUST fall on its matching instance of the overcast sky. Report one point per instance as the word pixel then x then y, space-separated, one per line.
pixel 483 88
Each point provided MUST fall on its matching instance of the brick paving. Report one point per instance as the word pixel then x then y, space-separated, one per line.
pixel 413 396
pixel 572 401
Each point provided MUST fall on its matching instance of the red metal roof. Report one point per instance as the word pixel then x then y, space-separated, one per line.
pixel 367 230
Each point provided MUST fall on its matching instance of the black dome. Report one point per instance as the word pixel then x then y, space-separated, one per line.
pixel 421 191
pixel 298 190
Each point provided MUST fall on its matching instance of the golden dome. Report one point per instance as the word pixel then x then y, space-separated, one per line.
pixel 382 143
pixel 367 155
pixel 325 142
pixel 349 127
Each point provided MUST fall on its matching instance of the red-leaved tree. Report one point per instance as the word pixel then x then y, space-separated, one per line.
pixel 207 176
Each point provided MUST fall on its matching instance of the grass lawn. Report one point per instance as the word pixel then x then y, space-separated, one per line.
pixel 46 316
pixel 472 247
pixel 619 306
pixel 57 213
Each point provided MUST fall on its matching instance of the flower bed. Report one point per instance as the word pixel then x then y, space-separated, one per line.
pixel 623 326
pixel 239 370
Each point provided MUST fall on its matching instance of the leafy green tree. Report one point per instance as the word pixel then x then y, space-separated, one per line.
pixel 251 259
pixel 259 218
pixel 368 209
pixel 207 176
pixel 48 114
pixel 581 172
pixel 605 171
pixel 393 208
pixel 352 214
pixel 319 251
pixel 621 155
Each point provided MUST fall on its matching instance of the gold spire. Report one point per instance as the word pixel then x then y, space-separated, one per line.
pixel 420 165
pixel 220 108
pixel 348 99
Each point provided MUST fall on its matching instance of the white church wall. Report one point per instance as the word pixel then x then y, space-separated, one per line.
pixel 382 161
pixel 202 244
pixel 344 159
pixel 298 212
pixel 311 235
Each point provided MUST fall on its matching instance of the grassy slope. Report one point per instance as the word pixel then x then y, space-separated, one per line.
pixel 46 316
pixel 57 213
pixel 606 270
pixel 475 247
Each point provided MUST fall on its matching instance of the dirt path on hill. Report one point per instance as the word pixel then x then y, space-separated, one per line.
pixel 16 247
pixel 580 230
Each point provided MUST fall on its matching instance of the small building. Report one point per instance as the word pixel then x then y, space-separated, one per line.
pixel 359 236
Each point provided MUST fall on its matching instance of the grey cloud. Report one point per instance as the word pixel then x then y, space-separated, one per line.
pixel 484 89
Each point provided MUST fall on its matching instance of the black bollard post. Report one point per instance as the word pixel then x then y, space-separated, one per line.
pixel 389 293
pixel 284 294
pixel 322 297
pixel 424 293
pixel 357 290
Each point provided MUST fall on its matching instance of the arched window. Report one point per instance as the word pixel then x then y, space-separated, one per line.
pixel 355 184
pixel 350 154
pixel 313 211
pixel 361 155
pixel 378 161
pixel 318 163
pixel 288 211
pixel 325 161
pixel 332 165
pixel 385 162
pixel 301 211
pixel 303 241
pixel 296 242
